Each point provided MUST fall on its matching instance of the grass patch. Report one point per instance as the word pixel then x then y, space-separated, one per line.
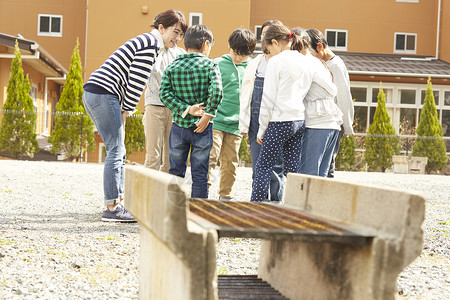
pixel 4 242
pixel 222 271
pixel 109 238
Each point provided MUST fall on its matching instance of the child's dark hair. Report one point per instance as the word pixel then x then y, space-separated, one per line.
pixel 242 41
pixel 282 33
pixel 169 18
pixel 316 38
pixel 269 23
pixel 196 35
pixel 303 37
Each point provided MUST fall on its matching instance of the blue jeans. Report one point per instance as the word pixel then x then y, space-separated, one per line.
pixel 277 178
pixel 183 140
pixel 317 151
pixel 280 137
pixel 335 152
pixel 105 111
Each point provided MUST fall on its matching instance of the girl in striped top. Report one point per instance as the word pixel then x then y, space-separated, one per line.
pixel 113 92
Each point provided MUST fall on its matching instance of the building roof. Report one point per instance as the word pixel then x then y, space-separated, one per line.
pixel 34 55
pixel 394 65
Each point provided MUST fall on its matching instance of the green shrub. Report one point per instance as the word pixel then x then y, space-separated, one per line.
pixel 429 142
pixel 382 141
pixel 18 127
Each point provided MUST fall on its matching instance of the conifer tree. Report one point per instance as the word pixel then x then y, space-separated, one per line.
pixel 244 152
pixel 18 127
pixel 429 142
pixel 382 141
pixel 71 117
pixel 134 133
pixel 345 158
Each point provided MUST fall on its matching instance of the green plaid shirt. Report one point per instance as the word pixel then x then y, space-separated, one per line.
pixel 192 78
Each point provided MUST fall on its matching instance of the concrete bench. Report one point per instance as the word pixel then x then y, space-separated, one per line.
pixel 331 240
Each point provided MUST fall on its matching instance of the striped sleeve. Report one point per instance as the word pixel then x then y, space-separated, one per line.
pixel 127 70
pixel 140 69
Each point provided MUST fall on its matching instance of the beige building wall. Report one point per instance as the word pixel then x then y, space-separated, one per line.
pixel 112 22
pixel 371 24
pixel 21 16
pixel 444 52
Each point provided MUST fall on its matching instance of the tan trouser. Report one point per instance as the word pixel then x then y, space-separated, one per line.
pixel 225 150
pixel 157 124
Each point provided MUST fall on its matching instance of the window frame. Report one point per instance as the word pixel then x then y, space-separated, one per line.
pixel 338 48
pixel 406 34
pixel 194 14
pixel 50 33
pixel 258 27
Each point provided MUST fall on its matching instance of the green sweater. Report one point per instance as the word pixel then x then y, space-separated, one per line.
pixel 227 117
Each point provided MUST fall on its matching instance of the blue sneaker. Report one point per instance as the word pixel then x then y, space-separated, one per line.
pixel 120 214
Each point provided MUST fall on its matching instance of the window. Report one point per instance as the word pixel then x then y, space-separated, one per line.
pixel 446 122
pixel 360 120
pixel 407 96
pixel 387 94
pixel 195 19
pixel 359 94
pixel 258 31
pixel 336 39
pixel 50 25
pixel 409 115
pixel 405 43
pixel 447 99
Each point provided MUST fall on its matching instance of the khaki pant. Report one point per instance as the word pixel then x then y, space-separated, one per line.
pixel 157 125
pixel 225 150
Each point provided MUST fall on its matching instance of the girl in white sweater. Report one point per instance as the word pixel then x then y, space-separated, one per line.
pixel 344 98
pixel 289 75
pixel 323 118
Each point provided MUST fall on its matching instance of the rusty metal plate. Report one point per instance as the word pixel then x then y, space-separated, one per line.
pixel 262 220
pixel 246 287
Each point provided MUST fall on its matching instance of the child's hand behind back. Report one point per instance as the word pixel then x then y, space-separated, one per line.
pixel 197 110
pixel 202 124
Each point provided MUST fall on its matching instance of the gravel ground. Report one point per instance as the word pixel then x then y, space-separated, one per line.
pixel 53 244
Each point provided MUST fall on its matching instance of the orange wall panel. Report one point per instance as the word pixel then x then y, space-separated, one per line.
pixel 112 22
pixel 21 16
pixel 371 24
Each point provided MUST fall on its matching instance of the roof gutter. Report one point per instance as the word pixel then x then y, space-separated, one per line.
pixel 44 56
pixel 36 55
pixel 391 74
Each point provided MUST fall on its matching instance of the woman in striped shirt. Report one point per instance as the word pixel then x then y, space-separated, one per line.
pixel 113 92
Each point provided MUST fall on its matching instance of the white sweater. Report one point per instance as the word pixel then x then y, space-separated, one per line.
pixel 288 79
pixel 344 97
pixel 321 110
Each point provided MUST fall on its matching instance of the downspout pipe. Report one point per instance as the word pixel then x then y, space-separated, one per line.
pixel 438 30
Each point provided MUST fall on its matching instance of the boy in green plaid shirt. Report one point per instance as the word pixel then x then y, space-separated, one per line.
pixel 191 87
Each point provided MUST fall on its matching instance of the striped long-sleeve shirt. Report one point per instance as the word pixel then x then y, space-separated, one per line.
pixel 127 70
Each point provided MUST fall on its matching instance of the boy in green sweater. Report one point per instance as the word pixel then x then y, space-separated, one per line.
pixel 226 134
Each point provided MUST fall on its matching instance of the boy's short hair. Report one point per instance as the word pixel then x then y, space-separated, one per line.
pixel 196 35
pixel 242 41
